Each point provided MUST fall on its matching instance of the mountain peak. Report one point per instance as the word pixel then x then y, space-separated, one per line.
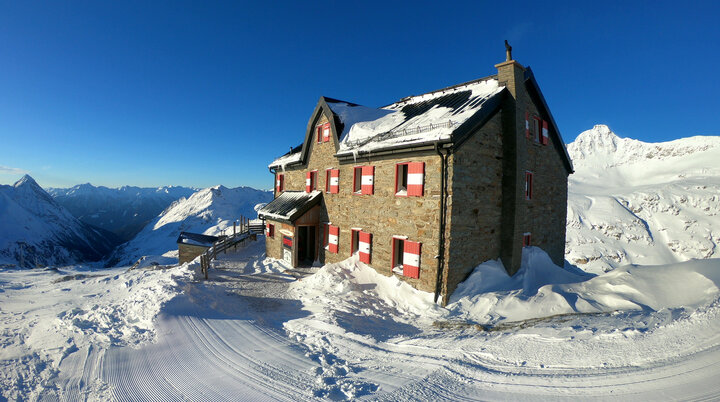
pixel 26 180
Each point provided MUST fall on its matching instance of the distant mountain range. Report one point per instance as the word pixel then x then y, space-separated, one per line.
pixel 35 230
pixel 123 211
pixel 209 211
pixel 632 202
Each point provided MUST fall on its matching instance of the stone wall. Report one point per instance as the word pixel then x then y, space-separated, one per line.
pixel 382 214
pixel 188 252
pixel 475 204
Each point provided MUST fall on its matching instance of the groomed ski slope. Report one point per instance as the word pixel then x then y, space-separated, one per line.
pixel 254 332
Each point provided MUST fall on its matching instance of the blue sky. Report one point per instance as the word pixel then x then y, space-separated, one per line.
pixel 204 93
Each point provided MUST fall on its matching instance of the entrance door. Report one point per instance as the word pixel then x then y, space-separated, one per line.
pixel 306 244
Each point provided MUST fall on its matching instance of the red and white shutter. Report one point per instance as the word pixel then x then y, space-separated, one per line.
pixel 335 181
pixel 544 132
pixel 527 125
pixel 416 178
pixel 308 182
pixel 326 132
pixel 279 182
pixel 411 259
pixel 269 232
pixel 364 241
pixel 333 238
pixel 368 179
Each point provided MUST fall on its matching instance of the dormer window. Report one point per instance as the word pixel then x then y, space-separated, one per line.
pixel 323 132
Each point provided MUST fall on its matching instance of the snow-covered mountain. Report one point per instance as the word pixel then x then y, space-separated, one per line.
pixel 36 231
pixel 632 202
pixel 124 211
pixel 208 211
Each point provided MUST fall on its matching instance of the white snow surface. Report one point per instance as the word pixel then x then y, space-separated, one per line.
pixel 210 211
pixel 632 202
pixel 347 332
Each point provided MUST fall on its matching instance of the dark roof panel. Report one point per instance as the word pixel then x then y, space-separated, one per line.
pixel 196 239
pixel 290 205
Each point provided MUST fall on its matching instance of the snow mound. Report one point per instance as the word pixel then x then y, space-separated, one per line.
pixel 541 289
pixel 354 280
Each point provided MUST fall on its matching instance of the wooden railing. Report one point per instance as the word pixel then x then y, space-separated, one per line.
pixel 241 232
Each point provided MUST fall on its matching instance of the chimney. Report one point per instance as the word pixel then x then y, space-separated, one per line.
pixel 510 72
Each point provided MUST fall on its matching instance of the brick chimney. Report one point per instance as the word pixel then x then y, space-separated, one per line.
pixel 512 75
pixel 510 72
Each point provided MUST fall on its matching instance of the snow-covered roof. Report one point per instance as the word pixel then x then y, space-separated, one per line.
pixel 290 205
pixel 196 239
pixel 414 120
pixel 425 118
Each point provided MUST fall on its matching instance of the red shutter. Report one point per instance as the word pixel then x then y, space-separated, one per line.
pixel 364 243
pixel 335 181
pixel 277 183
pixel 326 132
pixel 333 238
pixel 308 182
pixel 527 125
pixel 416 178
pixel 544 132
pixel 368 179
pixel 411 259
pixel 270 232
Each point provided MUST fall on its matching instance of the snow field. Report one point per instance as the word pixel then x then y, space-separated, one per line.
pixel 254 332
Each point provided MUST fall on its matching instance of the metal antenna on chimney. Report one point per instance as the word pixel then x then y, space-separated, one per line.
pixel 508 51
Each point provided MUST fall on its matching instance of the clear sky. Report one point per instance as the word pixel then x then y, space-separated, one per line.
pixel 154 93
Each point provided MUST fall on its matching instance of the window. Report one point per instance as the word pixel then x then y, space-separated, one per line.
pixel 363 179
pixel 357 180
pixel 310 181
pixel 406 257
pixel 332 181
pixel 409 179
pixel 280 183
pixel 528 185
pixel 526 239
pixel 323 132
pixel 401 178
pixel 270 231
pixel 326 233
pixel 354 241
pixel 537 124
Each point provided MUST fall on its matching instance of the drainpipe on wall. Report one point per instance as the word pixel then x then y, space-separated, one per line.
pixel 441 234
pixel 274 173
